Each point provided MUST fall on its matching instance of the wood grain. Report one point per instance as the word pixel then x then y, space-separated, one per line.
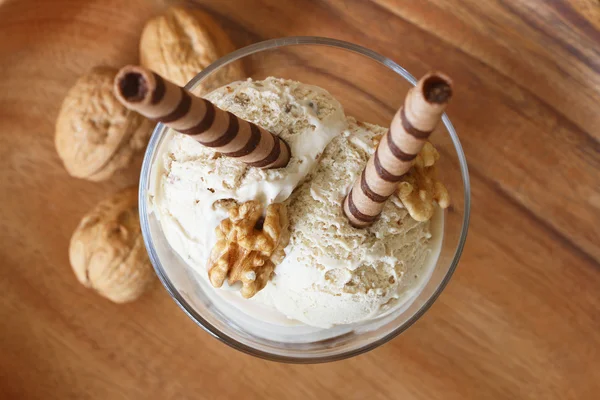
pixel 521 317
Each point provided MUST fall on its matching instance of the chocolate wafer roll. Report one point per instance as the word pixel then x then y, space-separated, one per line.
pixel 395 153
pixel 154 97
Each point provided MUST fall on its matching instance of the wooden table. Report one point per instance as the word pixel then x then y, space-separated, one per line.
pixel 521 317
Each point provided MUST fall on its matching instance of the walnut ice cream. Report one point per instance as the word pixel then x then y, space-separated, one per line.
pixel 331 273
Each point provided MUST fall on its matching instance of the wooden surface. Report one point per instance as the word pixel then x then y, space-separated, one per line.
pixel 521 317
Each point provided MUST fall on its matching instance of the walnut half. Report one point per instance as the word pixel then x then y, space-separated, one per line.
pixel 420 189
pixel 245 244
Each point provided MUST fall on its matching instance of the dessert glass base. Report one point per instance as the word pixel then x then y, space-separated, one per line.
pixel 370 88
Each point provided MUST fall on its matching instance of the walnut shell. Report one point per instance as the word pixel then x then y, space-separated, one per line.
pixel 96 135
pixel 107 250
pixel 180 43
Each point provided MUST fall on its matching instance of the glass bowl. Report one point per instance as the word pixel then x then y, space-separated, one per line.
pixel 370 88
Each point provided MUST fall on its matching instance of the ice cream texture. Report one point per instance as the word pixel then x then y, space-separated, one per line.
pixel 332 273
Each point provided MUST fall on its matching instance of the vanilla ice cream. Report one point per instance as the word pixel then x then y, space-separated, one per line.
pixel 332 273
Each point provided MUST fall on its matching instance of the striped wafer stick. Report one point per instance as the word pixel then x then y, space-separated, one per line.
pixel 154 97
pixel 395 153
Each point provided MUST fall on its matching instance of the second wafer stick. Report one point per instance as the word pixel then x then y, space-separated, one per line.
pixel 154 97
pixel 395 153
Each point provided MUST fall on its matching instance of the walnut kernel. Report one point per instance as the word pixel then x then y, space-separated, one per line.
pixel 244 248
pixel 420 189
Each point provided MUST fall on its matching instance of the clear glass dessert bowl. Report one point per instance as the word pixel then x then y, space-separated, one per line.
pixel 371 88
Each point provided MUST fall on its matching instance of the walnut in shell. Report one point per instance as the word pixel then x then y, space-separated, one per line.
pixel 245 246
pixel 107 250
pixel 180 43
pixel 96 135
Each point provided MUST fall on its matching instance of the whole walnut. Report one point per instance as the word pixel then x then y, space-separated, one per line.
pixel 107 250
pixel 96 135
pixel 180 43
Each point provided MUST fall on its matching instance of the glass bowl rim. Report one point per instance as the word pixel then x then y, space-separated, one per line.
pixel 183 304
